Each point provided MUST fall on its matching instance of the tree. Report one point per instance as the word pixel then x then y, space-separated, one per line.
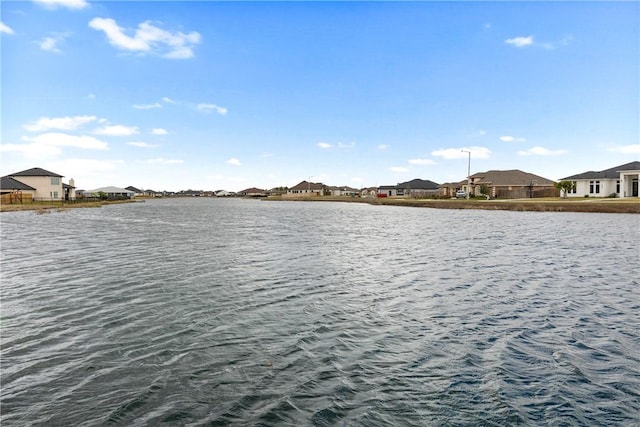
pixel 565 187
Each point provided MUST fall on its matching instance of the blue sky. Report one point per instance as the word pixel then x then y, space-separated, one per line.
pixel 229 95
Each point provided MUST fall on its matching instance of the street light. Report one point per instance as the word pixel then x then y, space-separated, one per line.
pixel 468 174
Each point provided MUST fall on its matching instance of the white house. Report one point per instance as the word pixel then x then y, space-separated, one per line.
pixel 620 180
pixel 112 192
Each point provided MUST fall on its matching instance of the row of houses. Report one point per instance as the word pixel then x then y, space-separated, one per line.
pixel 619 181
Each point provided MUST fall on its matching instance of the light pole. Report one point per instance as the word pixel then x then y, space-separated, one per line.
pixel 468 174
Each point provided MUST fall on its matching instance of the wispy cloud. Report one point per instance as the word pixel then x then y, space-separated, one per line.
pixel 208 108
pixel 117 130
pixel 147 106
pixel 458 153
pixel 324 145
pixel 541 151
pixel 520 41
pixel 508 138
pixel 5 29
pixel 55 139
pixel 421 162
pixel 50 44
pixel 141 144
pixel 383 146
pixel 159 131
pixel 148 38
pixel 163 161
pixel 626 149
pixel 346 145
pixel 233 161
pixel 59 123
pixel 69 4
pixel 399 169
pixel 168 100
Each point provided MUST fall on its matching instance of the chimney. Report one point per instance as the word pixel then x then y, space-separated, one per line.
pixel 72 183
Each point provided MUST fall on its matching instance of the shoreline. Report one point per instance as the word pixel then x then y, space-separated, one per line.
pixel 593 205
pixel 588 205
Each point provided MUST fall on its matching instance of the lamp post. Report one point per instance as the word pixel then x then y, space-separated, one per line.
pixel 468 173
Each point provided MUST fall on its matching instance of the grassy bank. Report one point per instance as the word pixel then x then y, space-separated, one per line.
pixel 540 205
pixel 46 207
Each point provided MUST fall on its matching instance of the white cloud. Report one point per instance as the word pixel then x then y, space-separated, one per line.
pixel 234 161
pixel 508 138
pixel 49 44
pixel 82 167
pixel 32 151
pixel 168 100
pixel 117 130
pixel 626 149
pixel 148 39
pixel 457 153
pixel 541 151
pixel 163 161
pixel 344 145
pixel 421 162
pixel 383 146
pixel 520 41
pixel 323 145
pixel 70 4
pixel 399 169
pixel 5 29
pixel 147 106
pixel 59 123
pixel 159 131
pixel 357 179
pixel 54 139
pixel 207 108
pixel 141 144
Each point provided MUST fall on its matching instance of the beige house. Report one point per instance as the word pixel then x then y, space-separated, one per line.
pixel 47 186
pixel 510 184
pixel 308 189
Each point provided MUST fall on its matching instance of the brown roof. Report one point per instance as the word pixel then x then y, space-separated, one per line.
pixel 305 185
pixel 509 177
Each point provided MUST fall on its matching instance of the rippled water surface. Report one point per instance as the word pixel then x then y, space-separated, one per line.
pixel 237 312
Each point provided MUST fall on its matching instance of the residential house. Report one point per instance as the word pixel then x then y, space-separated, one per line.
pixel 307 189
pixel 449 189
pixel 223 193
pixel 621 181
pixel 111 193
pixel 414 188
pixel 510 184
pixel 47 186
pixel 14 191
pixel 253 192
pixel 136 191
pixel 344 191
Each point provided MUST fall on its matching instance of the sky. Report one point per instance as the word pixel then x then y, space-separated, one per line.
pixel 206 95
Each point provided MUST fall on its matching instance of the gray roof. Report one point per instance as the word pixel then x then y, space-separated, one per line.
pixel 35 172
pixel 8 183
pixel 612 173
pixel 111 190
pixel 419 184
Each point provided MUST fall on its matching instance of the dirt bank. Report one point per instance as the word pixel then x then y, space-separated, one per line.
pixel 539 205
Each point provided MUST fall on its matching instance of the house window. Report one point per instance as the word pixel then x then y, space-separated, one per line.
pixel 574 188
pixel 618 186
pixel 54 194
pixel 55 180
pixel 594 187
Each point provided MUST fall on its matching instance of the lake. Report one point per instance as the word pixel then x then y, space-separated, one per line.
pixel 244 312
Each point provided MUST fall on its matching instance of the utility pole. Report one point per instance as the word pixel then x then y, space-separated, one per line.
pixel 468 173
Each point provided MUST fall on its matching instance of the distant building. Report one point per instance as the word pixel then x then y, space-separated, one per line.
pixel 414 188
pixel 621 181
pixel 111 193
pixel 308 189
pixel 510 184
pixel 253 192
